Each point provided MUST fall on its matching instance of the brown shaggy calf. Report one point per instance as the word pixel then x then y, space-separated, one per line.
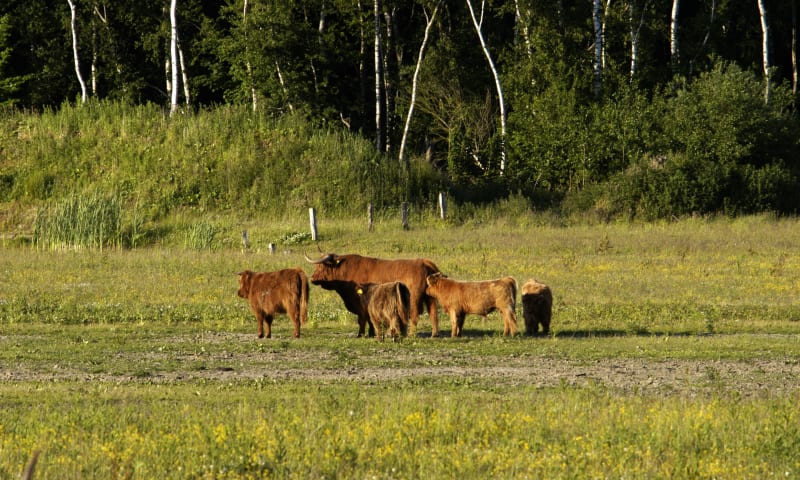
pixel 537 307
pixel 479 298
pixel 388 305
pixel 270 293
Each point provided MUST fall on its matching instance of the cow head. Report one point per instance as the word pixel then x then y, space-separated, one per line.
pixel 326 269
pixel 432 279
pixel 244 283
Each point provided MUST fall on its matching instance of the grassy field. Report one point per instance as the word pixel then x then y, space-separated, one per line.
pixel 675 353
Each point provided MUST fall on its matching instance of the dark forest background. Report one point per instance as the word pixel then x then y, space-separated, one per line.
pixel 614 107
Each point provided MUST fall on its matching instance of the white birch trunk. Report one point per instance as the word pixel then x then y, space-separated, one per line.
pixel 794 48
pixel 523 22
pixel 762 10
pixel 76 58
pixel 247 65
pixel 283 86
pixel 187 98
pixel 598 48
pixel 428 26
pixel 705 38
pixel 379 144
pixel 673 36
pixel 635 31
pixel 94 60
pixel 173 56
pixel 498 86
pixel 604 13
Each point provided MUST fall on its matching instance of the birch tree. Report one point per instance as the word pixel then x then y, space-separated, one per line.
pixel 187 97
pixel 379 133
pixel 635 32
pixel 794 48
pixel 523 23
pixel 702 48
pixel 173 56
pixel 428 25
pixel 598 48
pixel 503 115
pixel 76 58
pixel 762 10
pixel 674 52
pixel 247 64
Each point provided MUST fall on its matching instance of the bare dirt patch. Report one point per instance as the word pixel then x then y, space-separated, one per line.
pixel 773 377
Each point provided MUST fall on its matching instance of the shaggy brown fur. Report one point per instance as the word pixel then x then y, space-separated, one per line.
pixel 480 298
pixel 270 293
pixel 537 307
pixel 341 273
pixel 388 305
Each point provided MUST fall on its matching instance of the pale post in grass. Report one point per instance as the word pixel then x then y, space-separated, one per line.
pixel 370 211
pixel 442 206
pixel 312 216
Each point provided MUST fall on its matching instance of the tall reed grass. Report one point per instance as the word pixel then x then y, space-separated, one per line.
pixel 93 221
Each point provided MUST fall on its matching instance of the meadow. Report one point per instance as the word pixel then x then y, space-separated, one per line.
pixel 674 353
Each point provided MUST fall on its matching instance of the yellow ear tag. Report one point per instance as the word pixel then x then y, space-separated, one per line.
pixel 360 292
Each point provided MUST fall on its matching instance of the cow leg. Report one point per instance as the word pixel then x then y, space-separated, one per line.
pixel 413 315
pixel 267 326
pixel 260 321
pixel 531 325
pixel 296 321
pixel 377 325
pixel 433 314
pixel 461 319
pixel 293 312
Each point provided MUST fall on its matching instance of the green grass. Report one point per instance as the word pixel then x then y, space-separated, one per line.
pixel 144 364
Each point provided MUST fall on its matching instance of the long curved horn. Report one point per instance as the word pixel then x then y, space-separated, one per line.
pixel 321 260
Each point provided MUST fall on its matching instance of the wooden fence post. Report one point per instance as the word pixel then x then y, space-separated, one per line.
pixel 245 240
pixel 404 215
pixel 272 248
pixel 313 219
pixel 442 206
pixel 370 211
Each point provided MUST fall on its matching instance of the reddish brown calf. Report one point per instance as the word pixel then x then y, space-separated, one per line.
pixel 479 298
pixel 388 305
pixel 271 293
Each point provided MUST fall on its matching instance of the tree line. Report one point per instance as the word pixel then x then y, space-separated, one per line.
pixel 623 107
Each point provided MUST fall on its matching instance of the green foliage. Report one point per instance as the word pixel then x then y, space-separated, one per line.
pixel 713 146
pixel 223 159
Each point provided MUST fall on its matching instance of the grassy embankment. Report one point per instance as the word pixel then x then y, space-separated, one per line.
pixel 144 364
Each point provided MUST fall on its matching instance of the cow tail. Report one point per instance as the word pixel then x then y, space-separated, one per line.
pixel 513 294
pixel 303 299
